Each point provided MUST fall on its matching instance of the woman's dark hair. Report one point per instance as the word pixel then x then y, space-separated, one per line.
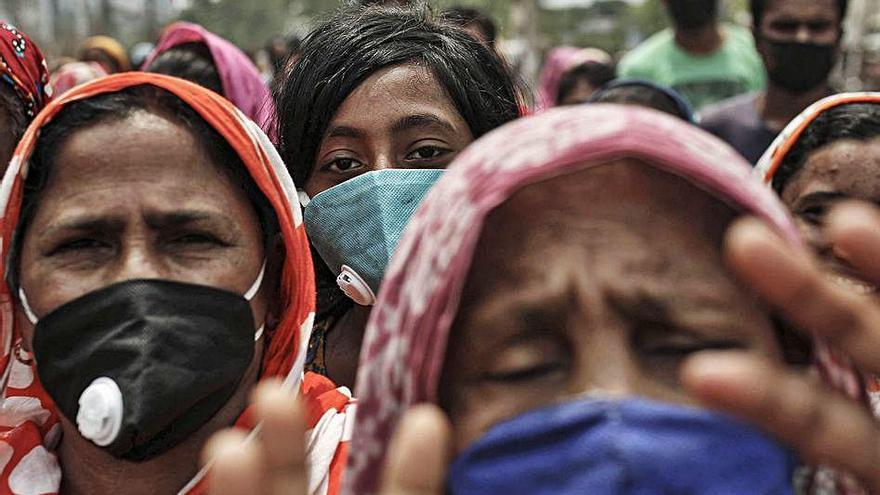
pixel 595 73
pixel 468 16
pixel 190 61
pixel 12 104
pixel 354 44
pixel 117 106
pixel 859 121
pixel 643 96
pixel 758 7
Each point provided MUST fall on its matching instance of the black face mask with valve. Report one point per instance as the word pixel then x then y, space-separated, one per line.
pixel 139 366
pixel 799 67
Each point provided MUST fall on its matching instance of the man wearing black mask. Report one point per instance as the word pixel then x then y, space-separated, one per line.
pixel 799 41
pixel 702 59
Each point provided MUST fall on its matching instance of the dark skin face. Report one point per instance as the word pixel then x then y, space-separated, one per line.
pixel 594 297
pixel 138 198
pixel 844 169
pixel 802 21
pixel 400 117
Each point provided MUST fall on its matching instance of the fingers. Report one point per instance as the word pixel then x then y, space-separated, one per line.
pixel 419 454
pixel 825 428
pixel 854 229
pixel 281 438
pixel 787 278
pixel 273 463
pixel 237 468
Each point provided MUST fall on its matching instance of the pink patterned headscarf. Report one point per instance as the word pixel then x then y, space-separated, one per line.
pixel 405 343
pixel 559 61
pixel 241 80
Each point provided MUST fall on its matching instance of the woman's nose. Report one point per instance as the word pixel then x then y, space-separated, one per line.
pixel 803 34
pixel 607 367
pixel 138 262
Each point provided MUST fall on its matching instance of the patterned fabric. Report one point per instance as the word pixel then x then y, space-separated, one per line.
pixel 240 78
pixel 405 341
pixel 72 74
pixel 29 429
pixel 23 66
pixel 559 61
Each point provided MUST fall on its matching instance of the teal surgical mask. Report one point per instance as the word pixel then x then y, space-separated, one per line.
pixel 355 226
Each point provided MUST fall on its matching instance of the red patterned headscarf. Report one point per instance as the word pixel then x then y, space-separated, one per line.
pixel 23 66
pixel 29 429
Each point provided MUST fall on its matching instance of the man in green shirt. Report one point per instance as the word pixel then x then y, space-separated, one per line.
pixel 702 59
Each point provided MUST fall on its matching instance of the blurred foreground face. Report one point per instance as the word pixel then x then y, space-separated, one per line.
pixel 400 117
pixel 570 296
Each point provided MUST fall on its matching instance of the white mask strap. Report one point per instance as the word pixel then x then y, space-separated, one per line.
pixel 27 307
pixel 256 285
pixel 304 198
pixel 253 292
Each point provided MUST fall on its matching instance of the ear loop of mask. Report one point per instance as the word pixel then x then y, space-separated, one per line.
pixel 255 287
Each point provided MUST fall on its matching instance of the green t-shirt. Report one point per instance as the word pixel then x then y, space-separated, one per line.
pixel 733 69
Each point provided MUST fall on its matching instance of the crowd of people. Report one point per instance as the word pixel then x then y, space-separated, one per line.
pixel 378 262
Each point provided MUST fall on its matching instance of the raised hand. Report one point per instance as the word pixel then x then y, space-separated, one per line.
pixel 821 424
pixel 274 463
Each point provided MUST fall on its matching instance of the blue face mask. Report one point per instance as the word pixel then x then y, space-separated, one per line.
pixel 355 225
pixel 632 446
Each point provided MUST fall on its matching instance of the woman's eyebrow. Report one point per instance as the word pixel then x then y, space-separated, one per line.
pixel 819 196
pixel 422 121
pixel 664 306
pixel 183 217
pixel 90 223
pixel 341 131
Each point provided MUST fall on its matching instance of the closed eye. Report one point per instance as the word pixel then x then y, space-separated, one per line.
pixel 82 244
pixel 530 373
pixel 671 349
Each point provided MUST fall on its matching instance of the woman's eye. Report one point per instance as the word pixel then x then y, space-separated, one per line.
pixel 198 240
pixel 343 165
pixel 529 373
pixel 77 245
pixel 682 349
pixel 427 153
pixel 814 214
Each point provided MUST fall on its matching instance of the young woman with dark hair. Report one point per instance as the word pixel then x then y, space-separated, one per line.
pixel 378 88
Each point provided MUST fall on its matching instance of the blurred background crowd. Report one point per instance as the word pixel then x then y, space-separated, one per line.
pixel 527 29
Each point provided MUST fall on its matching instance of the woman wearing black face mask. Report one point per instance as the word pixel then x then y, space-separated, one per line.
pixel 158 268
pixel 799 42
